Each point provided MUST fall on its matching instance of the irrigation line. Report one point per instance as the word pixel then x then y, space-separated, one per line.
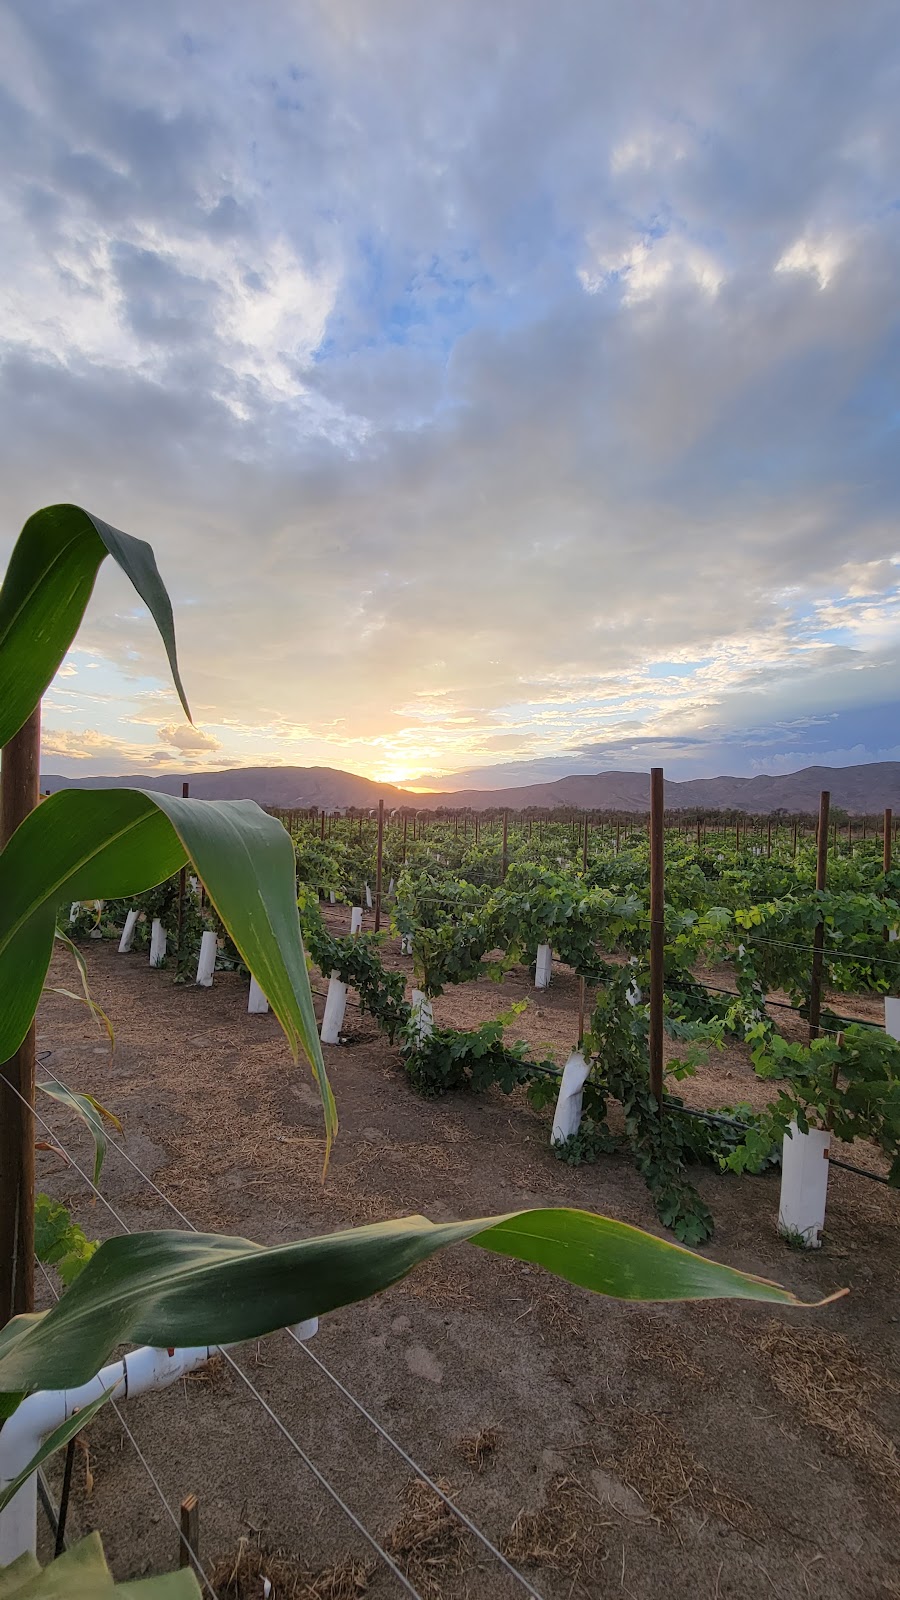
pixel 175 1521
pixel 745 1127
pixel 783 1005
pixel 395 1445
pixel 308 1462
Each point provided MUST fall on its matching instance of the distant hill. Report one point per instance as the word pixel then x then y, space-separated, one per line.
pixel 856 789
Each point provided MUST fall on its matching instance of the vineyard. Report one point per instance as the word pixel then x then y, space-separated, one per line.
pixel 569 1047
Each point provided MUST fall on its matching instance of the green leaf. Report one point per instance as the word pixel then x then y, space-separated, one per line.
pixel 111 844
pixel 54 1441
pixel 47 586
pixel 176 1289
pixel 82 1574
pixel 87 1108
pixel 58 1241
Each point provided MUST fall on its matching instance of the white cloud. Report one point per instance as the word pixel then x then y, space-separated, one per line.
pixel 184 737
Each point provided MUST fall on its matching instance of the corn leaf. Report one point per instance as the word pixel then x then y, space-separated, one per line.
pixel 45 591
pixel 54 1441
pixel 113 843
pixel 176 1288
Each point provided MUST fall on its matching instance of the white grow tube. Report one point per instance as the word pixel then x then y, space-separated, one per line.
pixel 567 1116
pixel 127 938
pixel 157 943
pixel 256 1000
pixel 206 964
pixel 335 1006
pixel 542 966
pixel 804 1185
pixel 39 1414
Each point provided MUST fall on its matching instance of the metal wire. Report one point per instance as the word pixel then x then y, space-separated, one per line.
pixel 329 1487
pixel 395 1445
pixel 176 1522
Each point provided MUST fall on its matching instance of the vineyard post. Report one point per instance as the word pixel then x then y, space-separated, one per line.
pixel 698 833
pixel 769 838
pixel 405 821
pixel 584 853
pixel 888 820
pixel 20 768
pixel 379 854
pixel 657 929
pixel 795 838
pixel 815 985
pixel 322 825
pixel 505 855
pixel 182 879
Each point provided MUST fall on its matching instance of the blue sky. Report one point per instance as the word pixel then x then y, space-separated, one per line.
pixel 507 390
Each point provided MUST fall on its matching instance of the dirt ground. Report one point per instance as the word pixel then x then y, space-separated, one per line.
pixel 704 1452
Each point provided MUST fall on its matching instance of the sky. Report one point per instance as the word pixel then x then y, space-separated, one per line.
pixel 507 390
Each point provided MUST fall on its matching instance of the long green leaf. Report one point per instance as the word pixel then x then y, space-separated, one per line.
pixel 87 1108
pixel 54 1441
pixel 47 586
pixel 82 1574
pixel 109 844
pixel 175 1288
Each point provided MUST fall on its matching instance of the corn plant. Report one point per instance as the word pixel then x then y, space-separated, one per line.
pixel 177 1288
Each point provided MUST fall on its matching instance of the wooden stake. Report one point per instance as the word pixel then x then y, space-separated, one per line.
pixel 584 853
pixel 19 794
pixel 888 832
pixel 189 1543
pixel 378 858
pixel 505 855
pixel 657 928
pixel 815 983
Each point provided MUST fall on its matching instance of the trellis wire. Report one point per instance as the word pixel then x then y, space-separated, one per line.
pixel 307 1461
pixel 176 1521
pixel 395 1445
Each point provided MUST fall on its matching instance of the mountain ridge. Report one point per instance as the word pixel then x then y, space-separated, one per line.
pixel 869 787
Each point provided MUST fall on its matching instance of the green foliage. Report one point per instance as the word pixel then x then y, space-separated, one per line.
pixel 82 1573
pixel 478 1058
pixel 179 1288
pixel 592 1140
pixel 58 1241
pixel 357 963
pixel 849 1084
pixel 112 843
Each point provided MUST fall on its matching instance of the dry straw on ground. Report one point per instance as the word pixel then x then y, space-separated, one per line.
pixel 823 1378
pixel 477 1449
pixel 565 1535
pixel 426 1542
pixel 654 1461
pixel 243 1577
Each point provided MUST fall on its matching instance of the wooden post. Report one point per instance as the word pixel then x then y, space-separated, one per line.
pixel 698 833
pixel 505 855
pixel 815 984
pixel 769 838
pixel 379 852
pixel 189 1543
pixel 322 825
pixel 888 832
pixel 19 793
pixel 657 929
pixel 584 853
pixel 795 838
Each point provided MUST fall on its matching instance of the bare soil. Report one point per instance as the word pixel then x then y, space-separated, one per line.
pixel 703 1452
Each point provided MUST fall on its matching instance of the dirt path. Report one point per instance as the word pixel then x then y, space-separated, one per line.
pixel 711 1451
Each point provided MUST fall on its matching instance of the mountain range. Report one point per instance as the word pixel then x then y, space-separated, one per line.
pixel 869 788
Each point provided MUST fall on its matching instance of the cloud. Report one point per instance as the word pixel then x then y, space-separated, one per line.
pixel 188 739
pixel 485 378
